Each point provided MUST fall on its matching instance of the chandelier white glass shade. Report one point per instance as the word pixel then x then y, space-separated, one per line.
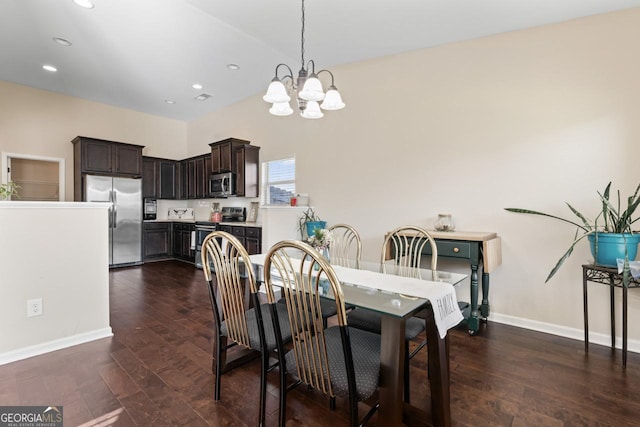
pixel 308 89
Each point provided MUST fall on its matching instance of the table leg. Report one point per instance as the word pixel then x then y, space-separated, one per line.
pixel 585 305
pixel 391 371
pixel 484 308
pixel 624 326
pixel 438 365
pixel 473 321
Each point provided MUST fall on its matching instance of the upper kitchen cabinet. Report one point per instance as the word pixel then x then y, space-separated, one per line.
pixel 159 178
pixel 247 161
pixel 222 154
pixel 242 158
pixel 98 156
pixel 194 176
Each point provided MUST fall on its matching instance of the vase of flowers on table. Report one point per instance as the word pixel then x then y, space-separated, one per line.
pixel 321 240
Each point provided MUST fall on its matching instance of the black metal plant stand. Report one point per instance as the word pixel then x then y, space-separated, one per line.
pixel 608 276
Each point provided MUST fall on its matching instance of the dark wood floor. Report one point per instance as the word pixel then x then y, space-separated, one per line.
pixel 156 370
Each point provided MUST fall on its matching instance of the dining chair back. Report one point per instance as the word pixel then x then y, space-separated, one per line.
pixel 346 247
pixel 337 361
pixel 238 315
pixel 404 246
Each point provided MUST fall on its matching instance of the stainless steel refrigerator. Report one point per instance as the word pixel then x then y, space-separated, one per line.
pixel 125 215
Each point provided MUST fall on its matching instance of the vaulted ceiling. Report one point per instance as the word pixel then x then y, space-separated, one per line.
pixel 137 54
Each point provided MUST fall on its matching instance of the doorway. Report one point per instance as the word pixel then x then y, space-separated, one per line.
pixel 38 178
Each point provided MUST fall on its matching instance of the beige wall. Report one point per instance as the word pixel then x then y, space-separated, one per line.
pixel 57 252
pixel 526 119
pixel 40 123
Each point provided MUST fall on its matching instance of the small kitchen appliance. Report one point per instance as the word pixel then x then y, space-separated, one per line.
pixel 150 208
pixel 222 185
pixel 233 214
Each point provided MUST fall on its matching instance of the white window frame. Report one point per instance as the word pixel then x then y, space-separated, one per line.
pixel 266 184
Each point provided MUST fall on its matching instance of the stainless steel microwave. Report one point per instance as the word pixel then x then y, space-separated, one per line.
pixel 222 185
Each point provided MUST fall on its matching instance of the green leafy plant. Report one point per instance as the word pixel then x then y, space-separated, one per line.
pixel 307 216
pixel 610 219
pixel 8 190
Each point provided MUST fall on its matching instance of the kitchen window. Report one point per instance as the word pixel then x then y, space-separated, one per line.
pixel 278 181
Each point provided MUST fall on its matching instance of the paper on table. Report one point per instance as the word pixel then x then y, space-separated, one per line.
pixel 441 295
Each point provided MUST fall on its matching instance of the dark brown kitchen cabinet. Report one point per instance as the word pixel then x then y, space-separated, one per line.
pixel 156 241
pixel 194 175
pixel 167 184
pixel 253 240
pixel 181 234
pixel 158 178
pixel 241 158
pixel 149 177
pixel 108 157
pixel 247 160
pixel 250 237
pixel 102 157
pixel 222 154
pixel 200 178
pixel 182 180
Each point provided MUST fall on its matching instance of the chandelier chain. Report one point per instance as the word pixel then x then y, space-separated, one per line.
pixel 302 37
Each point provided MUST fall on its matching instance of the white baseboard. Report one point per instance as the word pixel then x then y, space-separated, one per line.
pixel 35 350
pixel 563 331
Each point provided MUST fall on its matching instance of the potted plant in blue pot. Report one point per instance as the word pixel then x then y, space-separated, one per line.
pixel 610 235
pixel 309 221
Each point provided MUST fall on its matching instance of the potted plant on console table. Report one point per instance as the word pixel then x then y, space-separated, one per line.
pixel 610 235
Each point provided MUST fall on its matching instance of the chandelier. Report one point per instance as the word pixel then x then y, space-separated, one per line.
pixel 307 87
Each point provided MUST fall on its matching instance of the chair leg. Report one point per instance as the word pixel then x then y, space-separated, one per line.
pixel 353 411
pixel 407 387
pixel 263 387
pixel 218 369
pixel 283 395
pixel 332 403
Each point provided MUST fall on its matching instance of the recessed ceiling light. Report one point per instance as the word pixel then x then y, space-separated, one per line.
pixel 50 68
pixel 197 86
pixel 233 66
pixel 202 97
pixel 62 42
pixel 169 101
pixel 84 3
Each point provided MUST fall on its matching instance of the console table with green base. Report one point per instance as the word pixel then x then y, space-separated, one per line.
pixel 480 249
pixel 607 276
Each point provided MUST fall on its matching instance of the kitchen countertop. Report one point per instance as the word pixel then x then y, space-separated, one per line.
pixel 193 221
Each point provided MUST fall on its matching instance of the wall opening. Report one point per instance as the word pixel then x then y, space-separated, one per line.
pixel 39 178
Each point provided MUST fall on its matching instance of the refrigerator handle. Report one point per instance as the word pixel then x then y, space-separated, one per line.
pixel 115 209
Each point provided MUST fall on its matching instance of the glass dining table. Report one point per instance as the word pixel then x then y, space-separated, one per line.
pixel 399 293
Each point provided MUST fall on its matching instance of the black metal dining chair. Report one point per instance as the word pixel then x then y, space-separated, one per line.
pixel 404 247
pixel 337 361
pixel 238 320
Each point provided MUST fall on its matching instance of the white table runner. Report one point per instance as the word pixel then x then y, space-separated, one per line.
pixel 441 295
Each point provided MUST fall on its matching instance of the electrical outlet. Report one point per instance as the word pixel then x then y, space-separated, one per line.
pixel 34 307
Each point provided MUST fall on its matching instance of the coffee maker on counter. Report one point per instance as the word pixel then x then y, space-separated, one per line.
pixel 150 207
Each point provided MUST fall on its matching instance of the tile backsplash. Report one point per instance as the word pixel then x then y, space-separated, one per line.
pixel 201 207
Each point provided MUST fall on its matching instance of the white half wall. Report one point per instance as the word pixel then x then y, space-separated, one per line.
pixel 58 252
